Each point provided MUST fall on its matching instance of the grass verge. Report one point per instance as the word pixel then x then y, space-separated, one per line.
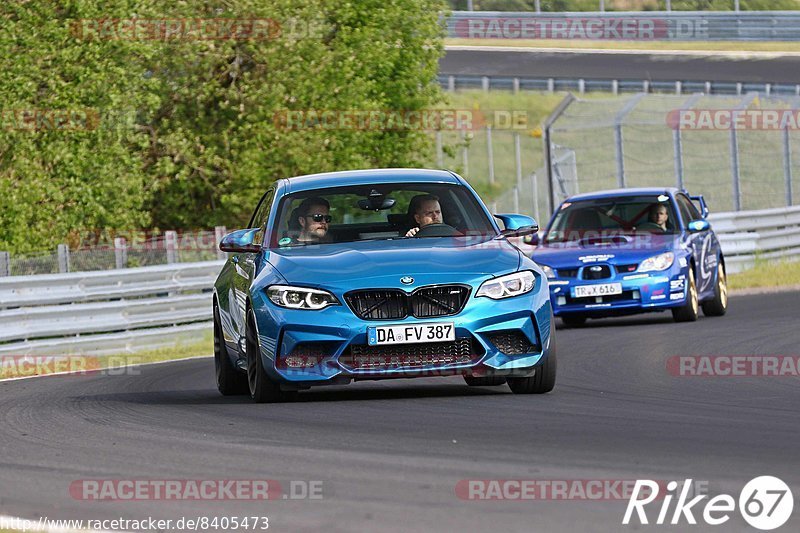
pixel 700 46
pixel 767 275
pixel 21 366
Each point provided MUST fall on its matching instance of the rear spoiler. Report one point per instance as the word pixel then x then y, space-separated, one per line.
pixel 700 200
pixel 703 207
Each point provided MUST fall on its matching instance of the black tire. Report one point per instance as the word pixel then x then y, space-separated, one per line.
pixel 230 381
pixel 718 306
pixel 262 388
pixel 543 380
pixel 484 381
pixel 689 311
pixel 573 321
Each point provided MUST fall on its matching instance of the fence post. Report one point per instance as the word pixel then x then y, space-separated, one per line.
pixel 439 151
pixel 5 264
pixel 490 153
pixel 120 252
pixel 535 187
pixel 734 142
pixel 63 258
pixel 516 199
pixel 548 147
pixel 219 233
pixel 171 245
pixel 677 146
pixel 518 159
pixel 787 164
pixel 465 153
pixel 627 108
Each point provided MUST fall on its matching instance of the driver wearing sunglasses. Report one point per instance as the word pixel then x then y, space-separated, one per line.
pixel 313 217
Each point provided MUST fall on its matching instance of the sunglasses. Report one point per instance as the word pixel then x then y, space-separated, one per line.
pixel 319 217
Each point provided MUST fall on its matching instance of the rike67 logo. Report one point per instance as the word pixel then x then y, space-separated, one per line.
pixel 765 503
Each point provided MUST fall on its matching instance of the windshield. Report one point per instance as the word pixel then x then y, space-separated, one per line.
pixel 607 218
pixel 376 212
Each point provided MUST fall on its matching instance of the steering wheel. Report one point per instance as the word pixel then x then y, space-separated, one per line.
pixel 437 230
pixel 650 226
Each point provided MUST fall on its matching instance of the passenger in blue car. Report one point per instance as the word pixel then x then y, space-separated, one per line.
pixel 658 217
pixel 426 210
pixel 311 219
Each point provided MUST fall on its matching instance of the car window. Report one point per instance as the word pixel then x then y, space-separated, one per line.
pixel 688 210
pixel 261 215
pixel 606 217
pixel 374 212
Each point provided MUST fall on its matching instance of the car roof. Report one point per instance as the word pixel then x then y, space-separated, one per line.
pixel 368 177
pixel 633 191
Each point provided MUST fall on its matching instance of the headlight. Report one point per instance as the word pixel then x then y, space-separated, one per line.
pixel 657 262
pixel 549 272
pixel 507 286
pixel 300 297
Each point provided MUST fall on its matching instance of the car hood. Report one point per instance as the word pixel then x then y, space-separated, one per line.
pixel 384 262
pixel 633 249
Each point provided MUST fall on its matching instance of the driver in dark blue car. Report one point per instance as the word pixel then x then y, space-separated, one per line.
pixel 426 210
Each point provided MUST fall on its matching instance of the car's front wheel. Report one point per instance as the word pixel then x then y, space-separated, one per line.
pixel 262 388
pixel 230 381
pixel 688 312
pixel 542 381
pixel 719 304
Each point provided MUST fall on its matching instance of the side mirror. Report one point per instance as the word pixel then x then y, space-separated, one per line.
pixel 696 226
pixel 532 239
pixel 517 225
pixel 240 241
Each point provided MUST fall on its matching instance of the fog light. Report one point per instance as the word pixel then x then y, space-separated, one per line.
pixel 562 300
pixel 636 295
pixel 300 361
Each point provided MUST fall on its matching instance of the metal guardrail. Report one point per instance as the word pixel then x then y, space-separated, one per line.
pixel 132 309
pixel 628 25
pixel 110 311
pixel 748 236
pixel 452 82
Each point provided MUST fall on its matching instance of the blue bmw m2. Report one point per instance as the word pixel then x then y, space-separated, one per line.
pixel 375 274
pixel 626 251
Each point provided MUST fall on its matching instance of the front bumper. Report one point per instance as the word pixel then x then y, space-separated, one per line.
pixel 641 292
pixel 304 348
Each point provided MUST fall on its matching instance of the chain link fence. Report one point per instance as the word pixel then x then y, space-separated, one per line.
pixel 139 250
pixel 741 153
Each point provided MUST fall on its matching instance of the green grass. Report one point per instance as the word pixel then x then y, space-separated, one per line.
pixel 705 46
pixel 766 275
pixel 179 350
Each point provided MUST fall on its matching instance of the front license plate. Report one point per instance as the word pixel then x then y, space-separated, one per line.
pixel 411 333
pixel 603 289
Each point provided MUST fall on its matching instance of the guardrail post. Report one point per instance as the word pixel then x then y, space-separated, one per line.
pixel 171 245
pixel 63 258
pixel 518 159
pixel 120 252
pixel 219 233
pixel 485 83
pixel 678 87
pixel 515 85
pixel 708 87
pixel 737 195
pixel 451 83
pixel 615 87
pixel 551 85
pixel 768 89
pixel 646 86
pixel 464 154
pixel 490 153
pixel 787 164
pixel 581 86
pixel 5 264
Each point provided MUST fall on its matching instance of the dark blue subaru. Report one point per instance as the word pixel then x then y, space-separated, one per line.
pixel 627 251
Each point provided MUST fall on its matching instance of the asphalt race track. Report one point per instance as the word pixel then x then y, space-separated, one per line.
pixel 389 454
pixel 501 62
